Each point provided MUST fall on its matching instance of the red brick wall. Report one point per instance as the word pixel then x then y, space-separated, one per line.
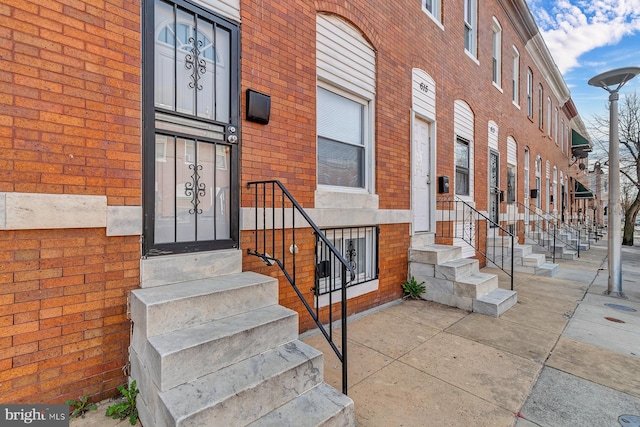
pixel 70 98
pixel 69 124
pixel 64 329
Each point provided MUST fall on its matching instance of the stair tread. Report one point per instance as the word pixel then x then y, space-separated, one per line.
pixel 459 262
pixel 216 388
pixel 549 265
pixel 195 288
pixel 311 408
pixel 435 248
pixel 180 339
pixel 497 295
pixel 476 278
pixel 534 255
pixel 496 302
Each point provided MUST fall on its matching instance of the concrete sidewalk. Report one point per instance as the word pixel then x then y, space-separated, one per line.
pixel 561 357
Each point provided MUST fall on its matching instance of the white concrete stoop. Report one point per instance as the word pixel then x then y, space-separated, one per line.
pixel 212 347
pixel 525 260
pixel 458 282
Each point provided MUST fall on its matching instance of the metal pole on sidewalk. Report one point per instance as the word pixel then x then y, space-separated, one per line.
pixel 614 240
pixel 616 78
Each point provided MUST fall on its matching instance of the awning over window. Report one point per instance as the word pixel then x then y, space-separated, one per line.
pixel 579 141
pixel 582 192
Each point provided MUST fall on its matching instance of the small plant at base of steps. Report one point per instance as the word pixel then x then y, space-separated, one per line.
pixel 80 406
pixel 412 289
pixel 127 406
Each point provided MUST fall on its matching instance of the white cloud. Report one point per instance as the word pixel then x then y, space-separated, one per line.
pixel 571 28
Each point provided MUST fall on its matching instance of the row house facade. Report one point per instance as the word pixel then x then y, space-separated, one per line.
pixel 133 132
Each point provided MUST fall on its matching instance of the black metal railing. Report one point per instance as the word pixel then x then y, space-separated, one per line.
pixel 546 230
pixel 458 219
pixel 276 211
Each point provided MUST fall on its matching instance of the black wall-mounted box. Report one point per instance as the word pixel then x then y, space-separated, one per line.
pixel 258 107
pixel 443 184
pixel 534 193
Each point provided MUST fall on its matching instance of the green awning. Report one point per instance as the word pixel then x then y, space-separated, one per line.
pixel 582 192
pixel 579 141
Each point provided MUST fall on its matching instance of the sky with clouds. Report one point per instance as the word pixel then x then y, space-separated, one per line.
pixel 586 38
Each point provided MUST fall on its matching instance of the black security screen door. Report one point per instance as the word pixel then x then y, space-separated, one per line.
pixel 191 135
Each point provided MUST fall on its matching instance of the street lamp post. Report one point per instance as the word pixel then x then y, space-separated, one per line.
pixel 612 81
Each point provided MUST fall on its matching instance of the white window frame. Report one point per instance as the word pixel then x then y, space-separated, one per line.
pixel 460 140
pixel 367 281
pixel 540 107
pixel 470 27
pixel 529 93
pixel 555 126
pixel 434 12
pixel 549 109
pixel 367 139
pixel 496 54
pixel 562 137
pixel 512 182
pixel 515 78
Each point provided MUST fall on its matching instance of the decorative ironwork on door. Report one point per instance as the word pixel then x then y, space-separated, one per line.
pixel 195 189
pixel 191 103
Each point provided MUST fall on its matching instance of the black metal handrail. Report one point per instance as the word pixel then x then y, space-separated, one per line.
pixel 460 220
pixel 272 249
pixel 543 228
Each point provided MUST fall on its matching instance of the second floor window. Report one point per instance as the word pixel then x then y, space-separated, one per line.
pixel 432 7
pixel 470 22
pixel 540 106
pixel 496 60
pixel 515 86
pixel 529 93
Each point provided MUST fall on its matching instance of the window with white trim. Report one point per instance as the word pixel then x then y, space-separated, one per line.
pixel 555 126
pixel 511 183
pixel 562 137
pixel 343 148
pixel 515 77
pixel 470 26
pixel 496 53
pixel 462 167
pixel 529 93
pixel 540 106
pixel 358 246
pixel 549 108
pixel 433 8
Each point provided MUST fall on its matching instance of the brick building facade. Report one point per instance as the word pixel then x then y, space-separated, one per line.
pixel 80 203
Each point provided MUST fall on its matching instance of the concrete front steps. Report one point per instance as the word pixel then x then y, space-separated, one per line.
pixel 219 350
pixel 458 282
pixel 524 259
pixel 562 250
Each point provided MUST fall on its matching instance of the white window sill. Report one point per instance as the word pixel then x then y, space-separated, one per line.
pixel 472 56
pixel 352 292
pixel 497 86
pixel 342 198
pixel 433 18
